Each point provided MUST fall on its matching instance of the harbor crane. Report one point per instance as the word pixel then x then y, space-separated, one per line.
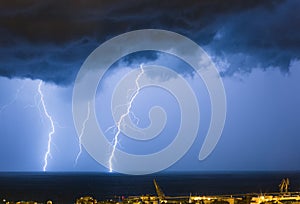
pixel 283 187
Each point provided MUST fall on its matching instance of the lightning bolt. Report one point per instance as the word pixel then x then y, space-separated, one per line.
pixel 122 117
pixel 13 100
pixel 42 101
pixel 82 132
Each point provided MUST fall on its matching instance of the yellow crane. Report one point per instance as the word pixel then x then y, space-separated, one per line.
pixel 284 186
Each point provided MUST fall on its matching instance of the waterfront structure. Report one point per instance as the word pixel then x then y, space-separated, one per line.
pixel 282 197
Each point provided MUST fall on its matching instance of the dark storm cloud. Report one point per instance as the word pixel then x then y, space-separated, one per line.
pixel 49 40
pixel 262 37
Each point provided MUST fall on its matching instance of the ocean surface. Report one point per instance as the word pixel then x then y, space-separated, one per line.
pixel 64 188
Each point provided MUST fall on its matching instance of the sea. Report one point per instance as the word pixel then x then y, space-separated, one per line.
pixel 66 187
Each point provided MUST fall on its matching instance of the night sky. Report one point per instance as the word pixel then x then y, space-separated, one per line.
pixel 255 45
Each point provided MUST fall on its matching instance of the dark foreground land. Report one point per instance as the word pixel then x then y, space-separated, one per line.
pixel 65 188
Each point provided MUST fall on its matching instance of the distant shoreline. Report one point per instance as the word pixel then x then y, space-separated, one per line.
pixel 64 187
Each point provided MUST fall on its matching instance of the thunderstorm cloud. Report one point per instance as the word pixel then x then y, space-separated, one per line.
pixel 50 40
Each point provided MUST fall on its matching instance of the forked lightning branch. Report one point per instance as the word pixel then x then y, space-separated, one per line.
pixel 121 120
pixel 52 130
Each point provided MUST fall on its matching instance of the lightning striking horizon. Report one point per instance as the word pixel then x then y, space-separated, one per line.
pixel 122 117
pixel 48 152
pixel 82 132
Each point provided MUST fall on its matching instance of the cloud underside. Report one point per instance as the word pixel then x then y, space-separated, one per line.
pixel 48 40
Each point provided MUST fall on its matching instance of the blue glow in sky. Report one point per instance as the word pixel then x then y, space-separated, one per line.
pixel 261 130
